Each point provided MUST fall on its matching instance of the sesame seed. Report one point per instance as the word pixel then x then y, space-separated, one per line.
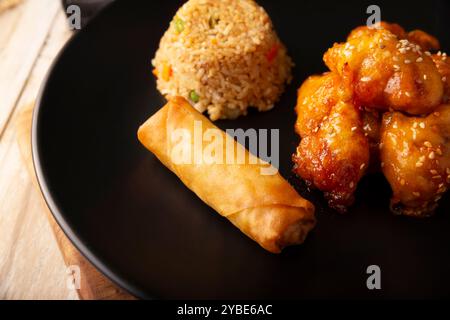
pixel 362 166
pixel 407 94
pixel 422 125
pixel 366 79
pixel 424 77
pixel 407 61
pixel 427 144
pixel 444 79
pixel 428 53
pixel 395 58
pixel 395 126
pixel 354 128
pixel 433 172
pixel 436 177
pixel 415 125
pixel 352 184
pixel 402 182
pixel 416 194
pixel 431 155
pixel 441 185
pixel 419 59
pixel 419 164
pixel 422 159
pixel 436 113
pixel 396 67
pixel 439 53
pixel 439 151
pixel 382 164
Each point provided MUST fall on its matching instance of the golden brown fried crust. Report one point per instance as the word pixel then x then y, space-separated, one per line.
pixel 426 41
pixel 382 106
pixel 394 28
pixel 388 72
pixel 443 66
pixel 372 126
pixel 316 97
pixel 416 156
pixel 272 214
pixel 335 156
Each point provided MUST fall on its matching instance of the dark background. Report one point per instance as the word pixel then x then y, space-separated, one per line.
pixel 136 222
pixel 89 8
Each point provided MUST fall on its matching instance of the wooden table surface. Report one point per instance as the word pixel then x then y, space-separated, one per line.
pixel 31 265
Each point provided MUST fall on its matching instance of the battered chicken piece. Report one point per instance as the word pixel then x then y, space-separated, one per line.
pixel 415 152
pixel 372 127
pixel 335 156
pixel 382 106
pixel 424 40
pixel 443 66
pixel 394 28
pixel 317 95
pixel 388 72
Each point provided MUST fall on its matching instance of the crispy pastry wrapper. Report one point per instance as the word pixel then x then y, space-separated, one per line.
pixel 264 207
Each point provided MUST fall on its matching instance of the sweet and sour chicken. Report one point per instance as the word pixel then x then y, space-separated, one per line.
pixel 388 72
pixel 381 108
pixel 415 153
pixel 333 154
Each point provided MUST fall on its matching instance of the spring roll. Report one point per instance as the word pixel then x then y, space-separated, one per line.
pixel 264 207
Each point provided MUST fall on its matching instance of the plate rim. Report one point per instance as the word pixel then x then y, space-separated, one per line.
pixel 41 178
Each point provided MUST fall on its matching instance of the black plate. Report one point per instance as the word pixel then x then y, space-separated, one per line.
pixel 140 226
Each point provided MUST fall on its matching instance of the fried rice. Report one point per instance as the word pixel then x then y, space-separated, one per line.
pixel 223 56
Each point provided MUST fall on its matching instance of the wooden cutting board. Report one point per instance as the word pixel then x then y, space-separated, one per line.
pixel 8 4
pixel 92 284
